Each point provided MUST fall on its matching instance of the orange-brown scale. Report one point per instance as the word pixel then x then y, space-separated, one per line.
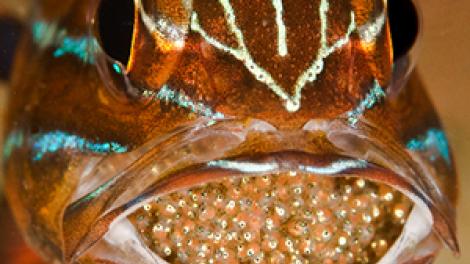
pixel 281 218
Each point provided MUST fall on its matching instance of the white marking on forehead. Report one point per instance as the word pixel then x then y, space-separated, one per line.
pixel 371 30
pixel 281 29
pixel 292 102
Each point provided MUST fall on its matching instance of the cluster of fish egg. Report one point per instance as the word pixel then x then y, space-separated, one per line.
pixel 281 218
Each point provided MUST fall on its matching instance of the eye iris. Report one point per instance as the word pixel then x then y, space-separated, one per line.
pixel 116 26
pixel 403 25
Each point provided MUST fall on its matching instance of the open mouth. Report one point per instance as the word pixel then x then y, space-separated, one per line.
pixel 275 218
pixel 274 206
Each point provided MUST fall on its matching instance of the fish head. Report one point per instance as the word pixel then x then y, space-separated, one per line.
pixel 227 132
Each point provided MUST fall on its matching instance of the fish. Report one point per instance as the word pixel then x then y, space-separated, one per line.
pixel 222 131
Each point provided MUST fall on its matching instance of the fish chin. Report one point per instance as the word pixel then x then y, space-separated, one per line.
pixel 253 195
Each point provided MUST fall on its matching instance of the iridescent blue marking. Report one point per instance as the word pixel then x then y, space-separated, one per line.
pixel 45 34
pixel 52 142
pixel 168 95
pixel 434 140
pixel 372 98
pixel 13 141
pixel 39 31
pixel 82 48
pixel 117 68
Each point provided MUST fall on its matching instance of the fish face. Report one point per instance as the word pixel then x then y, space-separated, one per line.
pixel 226 132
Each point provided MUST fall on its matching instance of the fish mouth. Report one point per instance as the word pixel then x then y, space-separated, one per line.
pixel 260 210
pixel 281 206
pixel 222 216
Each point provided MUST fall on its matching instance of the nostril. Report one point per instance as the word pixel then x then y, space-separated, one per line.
pixel 274 218
pixel 404 26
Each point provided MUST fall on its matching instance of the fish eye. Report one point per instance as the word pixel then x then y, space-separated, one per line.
pixel 115 25
pixel 404 25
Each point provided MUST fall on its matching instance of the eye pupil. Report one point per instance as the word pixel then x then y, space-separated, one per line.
pixel 10 32
pixel 403 24
pixel 116 26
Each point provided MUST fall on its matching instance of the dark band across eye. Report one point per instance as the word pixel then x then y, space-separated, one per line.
pixel 115 28
pixel 10 31
pixel 403 24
